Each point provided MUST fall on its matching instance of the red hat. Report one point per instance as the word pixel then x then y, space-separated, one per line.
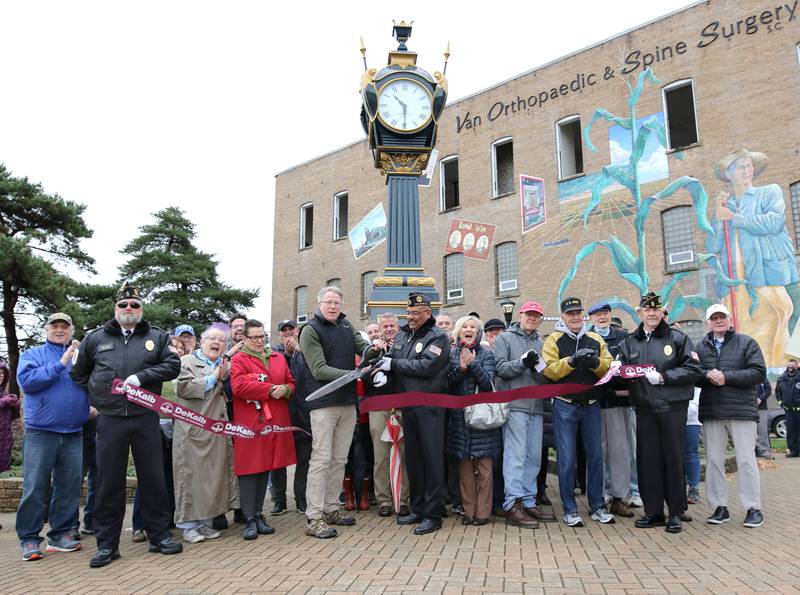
pixel 531 307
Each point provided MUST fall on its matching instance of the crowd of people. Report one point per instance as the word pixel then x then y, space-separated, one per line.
pixel 626 443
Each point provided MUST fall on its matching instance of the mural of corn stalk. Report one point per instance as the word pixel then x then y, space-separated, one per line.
pixel 633 266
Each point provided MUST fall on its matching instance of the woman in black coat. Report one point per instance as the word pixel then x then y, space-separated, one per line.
pixel 472 370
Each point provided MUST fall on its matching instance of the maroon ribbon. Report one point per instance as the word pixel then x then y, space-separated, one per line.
pixel 542 391
pixel 143 397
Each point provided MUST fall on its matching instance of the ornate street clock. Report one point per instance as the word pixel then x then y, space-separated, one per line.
pixel 401 105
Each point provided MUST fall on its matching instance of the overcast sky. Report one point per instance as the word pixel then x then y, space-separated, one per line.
pixel 132 107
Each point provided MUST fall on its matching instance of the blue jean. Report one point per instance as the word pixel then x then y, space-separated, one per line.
pixel 522 456
pixel 566 420
pixel 632 445
pixel 47 455
pixel 692 463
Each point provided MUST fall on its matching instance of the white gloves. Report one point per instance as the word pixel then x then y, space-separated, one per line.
pixel 385 364
pixel 654 377
pixel 379 379
pixel 133 379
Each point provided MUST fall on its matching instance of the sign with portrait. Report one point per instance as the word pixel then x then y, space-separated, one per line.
pixel 369 232
pixel 531 192
pixel 471 238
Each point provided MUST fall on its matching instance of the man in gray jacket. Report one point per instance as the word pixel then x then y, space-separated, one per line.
pixel 517 352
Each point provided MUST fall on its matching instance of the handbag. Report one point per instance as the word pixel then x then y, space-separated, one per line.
pixel 486 416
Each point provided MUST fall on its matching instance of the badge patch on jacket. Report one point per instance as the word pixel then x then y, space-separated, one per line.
pixel 667 350
pixel 149 345
pixel 435 350
pixel 105 347
pixel 418 347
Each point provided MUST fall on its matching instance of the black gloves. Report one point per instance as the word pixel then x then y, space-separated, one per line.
pixel 531 359
pixel 584 358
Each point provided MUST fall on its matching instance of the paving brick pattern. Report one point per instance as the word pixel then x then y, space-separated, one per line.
pixel 377 556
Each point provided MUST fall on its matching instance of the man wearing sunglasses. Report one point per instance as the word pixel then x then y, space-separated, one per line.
pixel 127 347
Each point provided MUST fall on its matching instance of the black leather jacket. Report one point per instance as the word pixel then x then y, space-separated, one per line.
pixel 670 351
pixel 104 355
pixel 421 359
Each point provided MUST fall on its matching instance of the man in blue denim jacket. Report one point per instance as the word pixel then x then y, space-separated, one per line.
pixel 55 410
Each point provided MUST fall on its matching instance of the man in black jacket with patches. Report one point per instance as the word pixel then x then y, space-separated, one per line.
pixel 127 347
pixel 787 391
pixel 734 369
pixel 419 362
pixel 661 399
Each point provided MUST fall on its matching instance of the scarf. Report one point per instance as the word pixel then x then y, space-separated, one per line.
pixel 262 357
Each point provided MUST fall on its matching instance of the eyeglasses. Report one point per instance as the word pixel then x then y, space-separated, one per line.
pixel 331 303
pixel 256 338
pixel 131 305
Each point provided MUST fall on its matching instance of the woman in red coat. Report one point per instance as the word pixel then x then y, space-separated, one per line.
pixel 261 385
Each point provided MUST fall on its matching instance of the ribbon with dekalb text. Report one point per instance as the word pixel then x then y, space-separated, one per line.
pixel 540 391
pixel 143 397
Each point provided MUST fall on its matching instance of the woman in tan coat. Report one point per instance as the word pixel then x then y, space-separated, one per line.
pixel 201 463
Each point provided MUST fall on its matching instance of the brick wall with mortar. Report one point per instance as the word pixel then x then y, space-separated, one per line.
pixel 11 492
pixel 746 90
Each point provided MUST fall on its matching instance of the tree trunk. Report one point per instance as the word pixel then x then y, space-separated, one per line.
pixel 10 327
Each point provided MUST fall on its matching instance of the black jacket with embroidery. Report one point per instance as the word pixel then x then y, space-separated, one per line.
pixel 421 359
pixel 670 351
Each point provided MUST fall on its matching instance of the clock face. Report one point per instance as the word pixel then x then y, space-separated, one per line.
pixel 404 105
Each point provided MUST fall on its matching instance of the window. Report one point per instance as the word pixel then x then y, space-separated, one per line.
pixel 506 268
pixel 367 281
pixel 306 225
pixel 678 232
pixel 502 167
pixel 301 303
pixel 454 278
pixel 570 147
pixel 335 282
pixel 794 195
pixel 680 113
pixel 448 183
pixel 340 216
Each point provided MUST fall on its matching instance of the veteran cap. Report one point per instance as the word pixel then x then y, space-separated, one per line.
pixel 571 304
pixel 418 299
pixel 128 292
pixel 651 300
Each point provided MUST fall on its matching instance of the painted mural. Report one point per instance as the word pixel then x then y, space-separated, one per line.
pixel 747 250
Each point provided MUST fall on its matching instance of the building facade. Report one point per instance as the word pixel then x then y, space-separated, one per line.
pixel 665 158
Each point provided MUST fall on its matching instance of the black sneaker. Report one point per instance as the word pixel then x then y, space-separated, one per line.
pixel 219 523
pixel 278 509
pixel 721 515
pixel 458 509
pixel 753 519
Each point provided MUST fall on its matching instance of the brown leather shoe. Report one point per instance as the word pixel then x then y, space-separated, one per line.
pixel 516 517
pixel 541 515
pixel 619 508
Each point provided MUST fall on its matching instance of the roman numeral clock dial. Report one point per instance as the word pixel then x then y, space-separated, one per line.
pixel 404 105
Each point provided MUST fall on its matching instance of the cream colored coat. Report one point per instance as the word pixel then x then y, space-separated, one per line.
pixel 202 462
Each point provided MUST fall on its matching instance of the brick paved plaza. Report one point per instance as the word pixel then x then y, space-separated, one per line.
pixel 378 556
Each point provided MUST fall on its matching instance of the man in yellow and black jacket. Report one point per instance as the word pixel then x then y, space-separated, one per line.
pixel 574 355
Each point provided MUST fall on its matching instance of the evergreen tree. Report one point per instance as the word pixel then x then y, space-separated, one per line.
pixel 38 232
pixel 180 282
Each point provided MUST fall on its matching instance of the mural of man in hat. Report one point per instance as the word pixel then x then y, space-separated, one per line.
pixel 757 248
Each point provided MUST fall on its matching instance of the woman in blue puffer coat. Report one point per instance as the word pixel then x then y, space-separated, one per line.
pixel 472 370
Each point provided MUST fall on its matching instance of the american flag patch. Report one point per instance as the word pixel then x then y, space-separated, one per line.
pixel 435 350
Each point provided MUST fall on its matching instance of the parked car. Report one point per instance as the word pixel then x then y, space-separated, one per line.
pixel 776 421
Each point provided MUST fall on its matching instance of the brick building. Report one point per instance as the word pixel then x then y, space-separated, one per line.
pixel 519 156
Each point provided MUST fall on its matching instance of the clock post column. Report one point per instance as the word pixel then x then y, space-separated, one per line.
pixel 401 105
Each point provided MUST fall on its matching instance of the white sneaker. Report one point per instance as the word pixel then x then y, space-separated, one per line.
pixel 192 536
pixel 602 516
pixel 573 519
pixel 207 532
pixel 635 501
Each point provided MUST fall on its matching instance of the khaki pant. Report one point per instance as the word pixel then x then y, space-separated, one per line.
pixel 332 433
pixel 475 480
pixel 715 440
pixel 380 452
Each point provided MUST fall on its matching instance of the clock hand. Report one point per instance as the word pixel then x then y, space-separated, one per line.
pixel 400 102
